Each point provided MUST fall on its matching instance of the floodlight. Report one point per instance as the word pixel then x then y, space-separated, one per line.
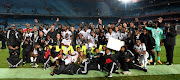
pixel 125 1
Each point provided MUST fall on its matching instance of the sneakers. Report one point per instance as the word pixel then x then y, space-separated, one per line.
pixel 52 74
pixel 153 63
pixel 35 66
pixel 126 72
pixel 109 75
pixel 170 64
pixel 167 63
pixel 145 70
pixel 23 64
pixel 116 72
pixel 31 63
pixel 159 62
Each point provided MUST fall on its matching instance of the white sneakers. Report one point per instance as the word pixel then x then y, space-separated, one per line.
pixel 126 72
pixel 35 65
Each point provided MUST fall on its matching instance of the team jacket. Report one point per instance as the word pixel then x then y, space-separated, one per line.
pixel 101 40
pixel 123 56
pixel 19 37
pixel 40 41
pixel 27 47
pixel 110 58
pixel 11 38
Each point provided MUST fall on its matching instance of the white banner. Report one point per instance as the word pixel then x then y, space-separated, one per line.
pixel 115 44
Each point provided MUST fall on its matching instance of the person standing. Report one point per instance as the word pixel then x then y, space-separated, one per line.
pixel 170 42
pixel 12 42
pixel 3 38
pixel 157 34
pixel 19 37
pixel 74 35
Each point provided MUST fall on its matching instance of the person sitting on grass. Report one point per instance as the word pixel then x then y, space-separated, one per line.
pixel 125 58
pixel 110 63
pixel 140 48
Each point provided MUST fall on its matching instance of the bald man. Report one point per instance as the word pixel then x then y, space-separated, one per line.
pixel 35 34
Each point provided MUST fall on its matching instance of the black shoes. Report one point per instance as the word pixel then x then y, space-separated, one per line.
pixel 109 75
pixel 23 64
pixel 145 70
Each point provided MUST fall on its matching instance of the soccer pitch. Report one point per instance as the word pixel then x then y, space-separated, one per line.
pixel 99 75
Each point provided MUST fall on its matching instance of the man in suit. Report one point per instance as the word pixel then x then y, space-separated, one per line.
pixel 169 42
pixel 74 35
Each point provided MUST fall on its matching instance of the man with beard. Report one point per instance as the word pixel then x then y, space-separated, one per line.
pixel 157 34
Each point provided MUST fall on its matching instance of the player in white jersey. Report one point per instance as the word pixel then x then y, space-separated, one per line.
pixel 85 32
pixel 66 42
pixel 124 34
pixel 74 56
pixel 46 30
pixel 66 31
pixel 110 34
pixel 92 40
pixel 27 34
pixel 141 49
pixel 117 33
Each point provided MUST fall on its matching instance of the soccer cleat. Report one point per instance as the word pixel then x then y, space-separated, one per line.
pixel 159 62
pixel 150 61
pixel 52 74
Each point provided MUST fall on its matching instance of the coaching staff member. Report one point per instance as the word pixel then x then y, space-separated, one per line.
pixel 12 42
pixel 169 42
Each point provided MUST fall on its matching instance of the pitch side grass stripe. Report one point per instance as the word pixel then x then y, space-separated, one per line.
pixel 39 73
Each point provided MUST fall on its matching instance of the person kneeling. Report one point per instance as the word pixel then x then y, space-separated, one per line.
pixel 126 60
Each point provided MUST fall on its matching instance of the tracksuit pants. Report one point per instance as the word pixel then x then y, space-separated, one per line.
pixel 130 65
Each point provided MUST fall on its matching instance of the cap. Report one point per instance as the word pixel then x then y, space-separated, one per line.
pixel 150 22
pixel 13 25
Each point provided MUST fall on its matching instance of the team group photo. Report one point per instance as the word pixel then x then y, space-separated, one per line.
pixel 90 39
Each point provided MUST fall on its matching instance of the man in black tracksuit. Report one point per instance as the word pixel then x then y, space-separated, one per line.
pixel 40 40
pixel 125 58
pixel 110 63
pixel 19 37
pixel 101 39
pixel 149 42
pixel 12 44
pixel 169 42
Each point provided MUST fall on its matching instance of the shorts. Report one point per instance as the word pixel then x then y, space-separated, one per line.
pixel 157 48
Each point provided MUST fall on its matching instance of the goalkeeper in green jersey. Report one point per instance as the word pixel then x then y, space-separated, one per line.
pixel 157 34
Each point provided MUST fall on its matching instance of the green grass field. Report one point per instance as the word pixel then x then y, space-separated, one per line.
pixel 4 54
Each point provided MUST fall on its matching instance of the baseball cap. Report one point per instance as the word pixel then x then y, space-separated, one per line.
pixel 13 25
